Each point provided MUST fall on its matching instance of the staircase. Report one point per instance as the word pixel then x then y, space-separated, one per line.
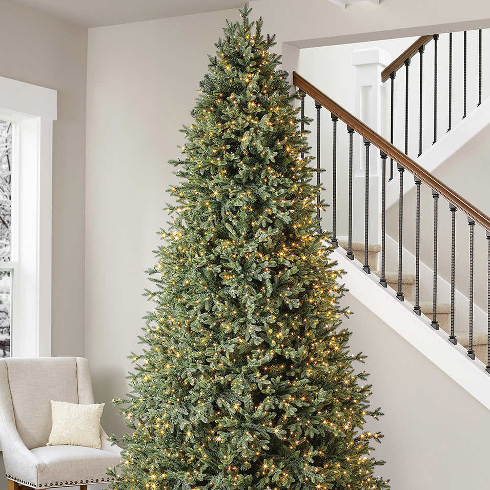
pixel 448 86
pixel 443 310
pixel 416 286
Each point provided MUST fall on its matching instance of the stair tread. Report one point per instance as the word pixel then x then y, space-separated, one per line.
pixel 426 307
pixel 393 277
pixel 360 246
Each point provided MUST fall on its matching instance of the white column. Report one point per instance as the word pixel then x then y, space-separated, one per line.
pixel 370 103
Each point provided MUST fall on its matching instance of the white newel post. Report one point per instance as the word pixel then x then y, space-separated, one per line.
pixel 369 106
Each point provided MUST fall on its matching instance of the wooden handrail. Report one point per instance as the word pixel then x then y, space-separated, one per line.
pixel 386 147
pixel 395 65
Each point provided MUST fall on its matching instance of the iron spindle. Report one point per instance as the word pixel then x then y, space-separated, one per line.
pixel 436 39
pixel 365 268
pixel 392 122
pixel 452 208
pixel 407 64
pixel 416 308
pixel 350 130
pixel 471 353
pixel 434 322
pixel 421 59
pixel 480 48
pixel 302 124
pixel 318 181
pixel 334 182
pixel 399 293
pixel 488 302
pixel 465 63
pixel 450 84
pixel 382 279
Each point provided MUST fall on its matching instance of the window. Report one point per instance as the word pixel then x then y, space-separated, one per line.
pixel 6 266
pixel 27 113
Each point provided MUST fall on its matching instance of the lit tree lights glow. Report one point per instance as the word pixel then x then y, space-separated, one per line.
pixel 246 381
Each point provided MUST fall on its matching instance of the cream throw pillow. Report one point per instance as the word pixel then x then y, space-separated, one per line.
pixel 75 425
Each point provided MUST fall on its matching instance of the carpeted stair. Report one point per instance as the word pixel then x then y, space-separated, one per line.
pixel 443 312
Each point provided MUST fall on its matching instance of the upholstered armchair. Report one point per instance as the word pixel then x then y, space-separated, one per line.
pixel 26 388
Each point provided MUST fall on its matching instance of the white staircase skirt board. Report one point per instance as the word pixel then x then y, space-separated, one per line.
pixel 448 144
pixel 433 344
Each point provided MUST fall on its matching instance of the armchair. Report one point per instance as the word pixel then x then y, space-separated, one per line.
pixel 26 388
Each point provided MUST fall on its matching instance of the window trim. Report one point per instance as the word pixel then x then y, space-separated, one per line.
pixel 33 109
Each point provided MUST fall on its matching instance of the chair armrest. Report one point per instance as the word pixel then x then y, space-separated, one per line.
pixel 107 445
pixel 20 462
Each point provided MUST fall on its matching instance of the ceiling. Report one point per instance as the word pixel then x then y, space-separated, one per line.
pixel 95 13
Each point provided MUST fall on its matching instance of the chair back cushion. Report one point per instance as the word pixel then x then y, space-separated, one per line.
pixel 33 384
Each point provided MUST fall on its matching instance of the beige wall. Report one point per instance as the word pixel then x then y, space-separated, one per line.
pixel 142 81
pixel 318 22
pixel 435 432
pixel 42 50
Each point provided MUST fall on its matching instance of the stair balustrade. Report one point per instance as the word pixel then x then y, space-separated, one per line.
pixel 403 62
pixel 456 203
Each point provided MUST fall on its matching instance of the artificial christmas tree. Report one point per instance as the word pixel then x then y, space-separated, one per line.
pixel 246 381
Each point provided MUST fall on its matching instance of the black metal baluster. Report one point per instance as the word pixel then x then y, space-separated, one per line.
pixel 407 64
pixel 365 268
pixel 399 293
pixel 350 254
pixel 382 279
pixel 465 63
pixel 302 124
pixel 334 182
pixel 450 85
pixel 480 49
pixel 416 308
pixel 471 353
pixel 452 208
pixel 436 39
pixel 318 181
pixel 421 86
pixel 434 323
pixel 488 302
pixel 392 121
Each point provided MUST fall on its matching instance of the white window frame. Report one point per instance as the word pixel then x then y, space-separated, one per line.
pixel 33 110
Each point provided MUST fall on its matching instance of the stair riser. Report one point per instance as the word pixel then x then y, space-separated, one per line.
pixel 481 352
pixel 408 290
pixel 372 258
pixel 443 319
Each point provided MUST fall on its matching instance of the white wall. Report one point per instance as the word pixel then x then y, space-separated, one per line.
pixel 46 51
pixel 330 69
pixel 435 432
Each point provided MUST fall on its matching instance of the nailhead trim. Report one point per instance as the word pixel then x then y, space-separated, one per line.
pixel 61 484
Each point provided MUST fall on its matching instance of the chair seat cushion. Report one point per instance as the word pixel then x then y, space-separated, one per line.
pixel 73 465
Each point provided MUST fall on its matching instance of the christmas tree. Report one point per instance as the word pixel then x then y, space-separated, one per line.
pixel 246 381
